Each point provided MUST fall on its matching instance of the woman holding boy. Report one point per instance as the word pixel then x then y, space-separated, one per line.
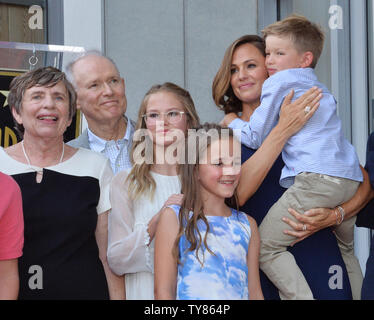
pixel 245 59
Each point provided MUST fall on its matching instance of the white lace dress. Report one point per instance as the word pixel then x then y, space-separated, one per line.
pixel 128 252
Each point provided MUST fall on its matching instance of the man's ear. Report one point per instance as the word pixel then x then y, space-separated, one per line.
pixel 307 59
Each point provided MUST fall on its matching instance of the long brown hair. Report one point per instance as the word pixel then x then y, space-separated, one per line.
pixel 191 188
pixel 140 179
pixel 222 93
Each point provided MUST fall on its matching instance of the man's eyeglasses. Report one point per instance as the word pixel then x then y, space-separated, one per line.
pixel 172 116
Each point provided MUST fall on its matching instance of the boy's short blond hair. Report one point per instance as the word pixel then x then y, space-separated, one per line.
pixel 305 35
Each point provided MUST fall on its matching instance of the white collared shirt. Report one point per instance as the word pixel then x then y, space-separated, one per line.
pixel 117 151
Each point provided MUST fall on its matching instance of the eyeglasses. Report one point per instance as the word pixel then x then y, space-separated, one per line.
pixel 172 116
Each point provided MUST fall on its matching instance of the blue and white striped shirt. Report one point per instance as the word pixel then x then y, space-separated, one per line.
pixel 319 147
pixel 117 151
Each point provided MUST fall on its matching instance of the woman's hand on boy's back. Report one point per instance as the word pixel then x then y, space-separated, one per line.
pixel 294 115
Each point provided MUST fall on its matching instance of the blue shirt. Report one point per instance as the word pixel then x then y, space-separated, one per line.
pixel 117 151
pixel 319 147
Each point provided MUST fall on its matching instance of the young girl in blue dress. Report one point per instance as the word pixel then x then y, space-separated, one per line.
pixel 204 249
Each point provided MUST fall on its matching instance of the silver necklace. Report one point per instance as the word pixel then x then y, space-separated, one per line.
pixel 28 160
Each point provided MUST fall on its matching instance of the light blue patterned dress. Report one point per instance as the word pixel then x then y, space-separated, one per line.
pixel 224 276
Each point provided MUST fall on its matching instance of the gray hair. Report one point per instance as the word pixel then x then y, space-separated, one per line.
pixel 44 77
pixel 70 66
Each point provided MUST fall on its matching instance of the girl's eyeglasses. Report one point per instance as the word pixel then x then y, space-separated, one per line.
pixel 172 116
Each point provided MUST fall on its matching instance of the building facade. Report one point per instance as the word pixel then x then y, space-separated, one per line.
pixel 183 41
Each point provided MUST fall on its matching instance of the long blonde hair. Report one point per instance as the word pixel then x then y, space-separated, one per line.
pixel 191 189
pixel 140 179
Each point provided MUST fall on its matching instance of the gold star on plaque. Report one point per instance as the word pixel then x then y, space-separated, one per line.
pixel 5 93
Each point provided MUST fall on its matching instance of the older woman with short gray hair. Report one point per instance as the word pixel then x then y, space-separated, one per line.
pixel 65 195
